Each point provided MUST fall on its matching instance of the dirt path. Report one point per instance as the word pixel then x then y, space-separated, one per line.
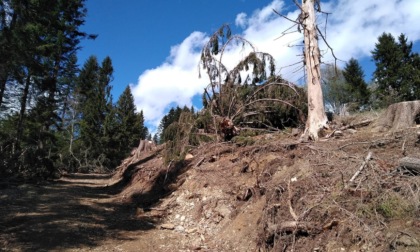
pixel 75 213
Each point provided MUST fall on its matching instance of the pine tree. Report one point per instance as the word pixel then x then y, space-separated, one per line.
pixel 39 40
pixel 156 138
pixel 409 72
pixel 130 123
pixel 354 76
pixel 93 108
pixel 171 117
pixel 87 98
pixel 396 74
pixel 387 57
pixel 144 131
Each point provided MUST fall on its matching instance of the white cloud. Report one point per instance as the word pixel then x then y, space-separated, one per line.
pixel 354 26
pixel 176 81
pixel 352 31
pixel 241 20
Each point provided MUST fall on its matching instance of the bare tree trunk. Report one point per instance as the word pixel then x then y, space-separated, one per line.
pixel 317 119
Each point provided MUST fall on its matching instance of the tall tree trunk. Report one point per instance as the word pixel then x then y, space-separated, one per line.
pixel 317 118
pixel 3 81
pixel 22 112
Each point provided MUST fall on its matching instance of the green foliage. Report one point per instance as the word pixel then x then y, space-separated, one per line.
pixel 38 43
pixel 107 133
pixel 172 116
pixel 273 104
pixel 397 71
pixel 204 120
pixel 259 100
pixel 54 115
pixel 393 205
pixel 179 137
pixel 357 87
pixel 131 124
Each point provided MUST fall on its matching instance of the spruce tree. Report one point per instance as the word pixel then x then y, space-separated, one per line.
pixel 38 42
pixel 396 73
pixel 409 73
pixel 130 123
pixel 387 57
pixel 92 103
pixel 354 76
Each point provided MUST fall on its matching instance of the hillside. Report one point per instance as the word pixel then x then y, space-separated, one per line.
pixel 276 194
pixel 264 193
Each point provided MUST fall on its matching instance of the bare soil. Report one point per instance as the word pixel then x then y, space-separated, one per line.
pixel 262 193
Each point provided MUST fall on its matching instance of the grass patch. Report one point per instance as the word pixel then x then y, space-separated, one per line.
pixel 243 140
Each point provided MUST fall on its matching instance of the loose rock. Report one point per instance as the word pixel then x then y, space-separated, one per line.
pixel 168 226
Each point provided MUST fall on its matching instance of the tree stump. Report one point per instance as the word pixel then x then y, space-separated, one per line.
pixel 144 146
pixel 400 116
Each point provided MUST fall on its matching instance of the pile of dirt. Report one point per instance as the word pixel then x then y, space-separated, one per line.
pixel 273 193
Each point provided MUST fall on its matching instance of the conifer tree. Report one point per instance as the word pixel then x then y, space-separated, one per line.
pixel 354 76
pixel 131 124
pixel 38 42
pixel 396 74
pixel 87 95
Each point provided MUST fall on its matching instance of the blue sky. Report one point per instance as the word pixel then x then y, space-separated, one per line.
pixel 155 44
pixel 138 34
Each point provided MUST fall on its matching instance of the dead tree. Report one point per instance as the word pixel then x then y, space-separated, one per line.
pixel 317 119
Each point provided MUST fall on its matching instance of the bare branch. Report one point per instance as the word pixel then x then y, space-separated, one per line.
pixel 298 5
pixel 325 41
pixel 283 16
pixel 285 31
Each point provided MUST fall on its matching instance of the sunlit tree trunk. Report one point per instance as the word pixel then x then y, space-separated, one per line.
pixel 317 119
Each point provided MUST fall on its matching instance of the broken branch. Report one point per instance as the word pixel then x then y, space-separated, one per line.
pixel 368 157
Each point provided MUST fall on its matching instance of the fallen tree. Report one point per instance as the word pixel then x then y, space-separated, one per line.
pixel 250 91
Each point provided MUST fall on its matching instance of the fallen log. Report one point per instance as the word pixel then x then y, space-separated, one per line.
pixel 357 125
pixel 299 226
pixel 410 164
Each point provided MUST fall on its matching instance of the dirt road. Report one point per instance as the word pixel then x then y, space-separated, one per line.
pixel 75 213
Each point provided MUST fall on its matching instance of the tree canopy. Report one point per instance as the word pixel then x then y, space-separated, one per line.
pixel 397 71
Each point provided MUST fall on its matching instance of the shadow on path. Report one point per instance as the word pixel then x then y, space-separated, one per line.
pixel 74 212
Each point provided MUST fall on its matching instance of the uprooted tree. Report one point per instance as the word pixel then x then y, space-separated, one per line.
pixel 238 94
pixel 222 92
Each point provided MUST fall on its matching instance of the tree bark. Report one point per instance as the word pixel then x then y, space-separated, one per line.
pixel 3 81
pixel 317 119
pixel 399 116
pixel 23 103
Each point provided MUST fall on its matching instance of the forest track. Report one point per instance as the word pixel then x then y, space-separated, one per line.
pixel 229 197
pixel 75 213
